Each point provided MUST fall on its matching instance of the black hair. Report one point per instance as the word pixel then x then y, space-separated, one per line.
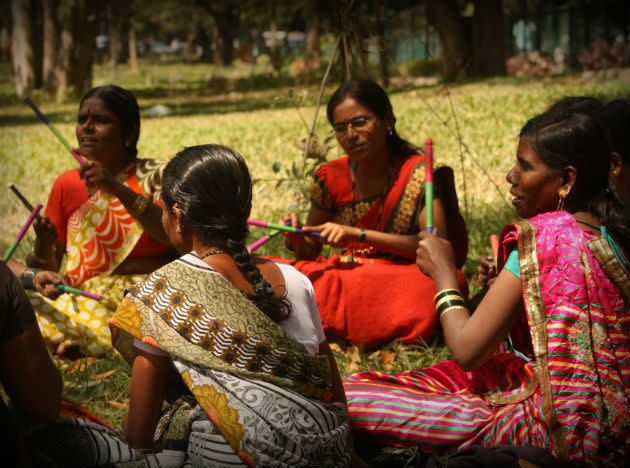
pixel 369 94
pixel 575 139
pixel 124 104
pixel 614 117
pixel 584 104
pixel 212 187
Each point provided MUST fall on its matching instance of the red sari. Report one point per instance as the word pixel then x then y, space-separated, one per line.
pixel 368 297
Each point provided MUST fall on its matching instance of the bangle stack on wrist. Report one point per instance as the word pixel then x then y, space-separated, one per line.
pixel 362 238
pixel 27 278
pixel 448 299
pixel 139 206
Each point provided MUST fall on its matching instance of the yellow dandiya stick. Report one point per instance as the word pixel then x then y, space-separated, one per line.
pixel 53 129
pixel 18 238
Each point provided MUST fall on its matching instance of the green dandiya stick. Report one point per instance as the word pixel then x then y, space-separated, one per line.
pixel 428 183
pixel 23 199
pixel 18 238
pixel 53 129
pixel 68 289
pixel 280 227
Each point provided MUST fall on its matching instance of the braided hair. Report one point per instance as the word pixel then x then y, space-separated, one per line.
pixel 212 187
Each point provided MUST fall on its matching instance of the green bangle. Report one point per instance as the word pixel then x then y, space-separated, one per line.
pixel 445 292
pixel 27 278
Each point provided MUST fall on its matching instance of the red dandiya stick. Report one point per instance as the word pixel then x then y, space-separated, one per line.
pixel 428 183
pixel 280 227
pixel 494 243
pixel 18 238
pixel 53 129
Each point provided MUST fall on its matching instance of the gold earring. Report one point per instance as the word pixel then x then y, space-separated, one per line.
pixel 178 229
pixel 617 170
pixel 562 194
pixel 390 131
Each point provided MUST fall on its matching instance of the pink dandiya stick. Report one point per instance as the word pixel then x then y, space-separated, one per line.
pixel 68 289
pixel 262 241
pixel 428 183
pixel 18 238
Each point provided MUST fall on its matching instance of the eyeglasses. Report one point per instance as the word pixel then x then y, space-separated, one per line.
pixel 356 123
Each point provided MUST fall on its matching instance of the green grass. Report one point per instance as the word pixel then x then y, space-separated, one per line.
pixel 264 126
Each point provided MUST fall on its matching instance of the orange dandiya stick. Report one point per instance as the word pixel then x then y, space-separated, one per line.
pixel 494 243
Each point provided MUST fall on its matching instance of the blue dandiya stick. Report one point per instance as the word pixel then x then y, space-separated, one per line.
pixel 280 227
pixel 428 183
pixel 18 238
pixel 53 129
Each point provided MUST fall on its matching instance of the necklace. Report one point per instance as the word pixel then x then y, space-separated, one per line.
pixel 211 252
pixel 380 199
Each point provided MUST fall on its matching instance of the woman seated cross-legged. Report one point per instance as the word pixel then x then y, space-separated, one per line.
pixel 561 295
pixel 371 204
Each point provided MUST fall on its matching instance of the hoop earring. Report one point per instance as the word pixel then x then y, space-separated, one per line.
pixel 562 194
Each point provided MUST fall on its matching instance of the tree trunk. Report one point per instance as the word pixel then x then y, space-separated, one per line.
pixel 454 52
pixel 206 44
pixel 274 49
pixel 50 39
pixel 227 23
pixel 26 53
pixel 77 45
pixel 311 45
pixel 133 55
pixel 488 50
pixel 217 47
pixel 382 45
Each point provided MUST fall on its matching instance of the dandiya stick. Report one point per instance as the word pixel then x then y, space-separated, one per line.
pixel 68 289
pixel 262 241
pixel 53 129
pixel 18 238
pixel 494 243
pixel 23 199
pixel 428 183
pixel 280 227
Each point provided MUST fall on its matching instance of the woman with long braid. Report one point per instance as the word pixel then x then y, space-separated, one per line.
pixel 243 336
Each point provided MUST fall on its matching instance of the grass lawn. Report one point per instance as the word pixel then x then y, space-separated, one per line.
pixel 474 127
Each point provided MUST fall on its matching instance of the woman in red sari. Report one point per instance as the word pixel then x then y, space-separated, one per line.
pixel 370 203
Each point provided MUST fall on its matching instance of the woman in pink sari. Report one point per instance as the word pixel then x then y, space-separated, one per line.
pixel 561 298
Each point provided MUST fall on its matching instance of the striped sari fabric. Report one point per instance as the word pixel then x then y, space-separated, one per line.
pixel 572 398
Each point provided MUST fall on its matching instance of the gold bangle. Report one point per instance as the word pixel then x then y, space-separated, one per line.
pixel 452 308
pixel 451 297
pixel 139 206
pixel 444 292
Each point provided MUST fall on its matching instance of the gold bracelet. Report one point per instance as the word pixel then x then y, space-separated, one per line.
pixel 451 308
pixel 139 206
pixel 449 298
pixel 445 292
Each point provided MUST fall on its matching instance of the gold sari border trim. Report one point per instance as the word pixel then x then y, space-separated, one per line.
pixel 532 298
